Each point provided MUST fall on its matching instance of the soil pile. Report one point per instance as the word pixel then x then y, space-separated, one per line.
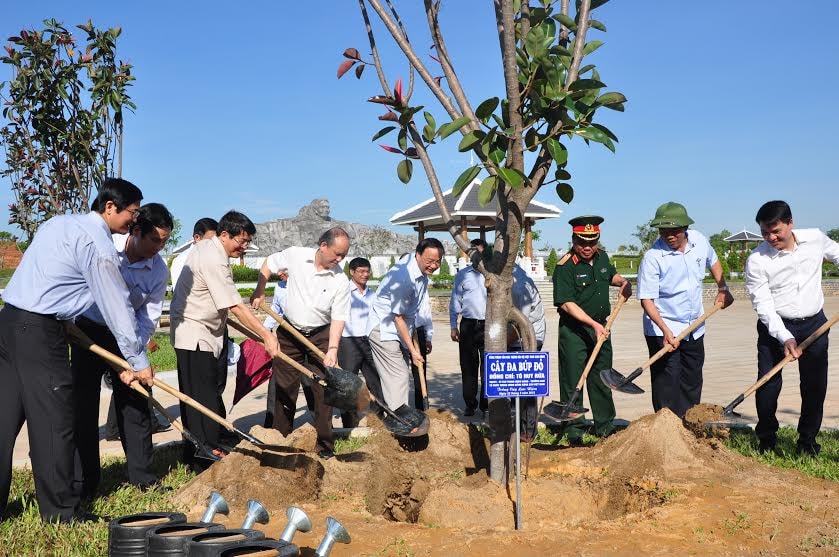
pixel 655 445
pixel 699 418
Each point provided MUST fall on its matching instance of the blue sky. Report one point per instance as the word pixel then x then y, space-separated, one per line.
pixel 731 103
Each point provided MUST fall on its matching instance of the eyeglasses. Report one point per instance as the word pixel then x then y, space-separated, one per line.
pixel 587 243
pixel 134 212
pixel 243 243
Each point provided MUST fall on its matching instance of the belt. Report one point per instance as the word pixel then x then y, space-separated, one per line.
pixel 84 321
pixel 472 319
pixel 310 331
pixel 798 319
pixel 51 316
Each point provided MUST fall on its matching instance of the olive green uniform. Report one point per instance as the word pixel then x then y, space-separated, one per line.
pixel 586 285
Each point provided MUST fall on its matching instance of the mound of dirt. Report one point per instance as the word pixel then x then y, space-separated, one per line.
pixel 275 479
pixel 656 445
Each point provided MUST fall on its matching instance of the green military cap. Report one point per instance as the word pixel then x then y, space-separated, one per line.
pixel 586 227
pixel 671 215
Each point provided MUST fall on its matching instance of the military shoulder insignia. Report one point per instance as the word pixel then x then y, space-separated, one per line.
pixel 564 259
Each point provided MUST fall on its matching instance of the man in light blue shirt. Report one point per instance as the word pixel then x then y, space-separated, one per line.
pixel 392 319
pixel 71 264
pixel 146 275
pixel 469 301
pixel 670 289
pixel 354 353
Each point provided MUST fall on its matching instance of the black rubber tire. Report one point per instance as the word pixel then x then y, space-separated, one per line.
pixel 284 549
pixel 125 540
pixel 206 544
pixel 162 545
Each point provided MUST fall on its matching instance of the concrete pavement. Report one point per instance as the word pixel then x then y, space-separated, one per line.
pixel 730 368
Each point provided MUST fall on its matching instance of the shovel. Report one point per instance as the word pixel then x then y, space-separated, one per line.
pixel 570 410
pixel 403 422
pixel 82 339
pixel 421 374
pixel 728 411
pixel 617 382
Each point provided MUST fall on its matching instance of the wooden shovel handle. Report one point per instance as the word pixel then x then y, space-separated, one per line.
pixel 692 327
pixel 803 346
pixel 294 332
pixel 600 341
pixel 160 408
pixel 285 358
pixel 423 385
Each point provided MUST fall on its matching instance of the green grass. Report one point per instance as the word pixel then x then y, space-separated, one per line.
pixel 346 445
pixel 826 465
pixel 164 359
pixel 23 533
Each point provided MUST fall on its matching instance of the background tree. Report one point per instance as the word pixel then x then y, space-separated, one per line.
pixel 445 270
pixel 718 242
pixel 549 98
pixel 646 234
pixel 550 262
pixel 63 119
pixel 175 237
pixel 833 234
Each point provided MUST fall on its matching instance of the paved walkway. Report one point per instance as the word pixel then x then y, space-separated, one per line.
pixel 730 368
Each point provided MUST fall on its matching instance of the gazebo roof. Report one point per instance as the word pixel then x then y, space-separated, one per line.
pixel 466 206
pixel 744 236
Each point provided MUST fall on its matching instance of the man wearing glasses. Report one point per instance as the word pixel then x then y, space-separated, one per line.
pixel 670 289
pixel 203 296
pixel 581 294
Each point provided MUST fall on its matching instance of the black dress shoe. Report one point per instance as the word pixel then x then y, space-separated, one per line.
pixel 766 446
pixel 160 427
pixel 112 437
pixel 326 454
pixel 808 449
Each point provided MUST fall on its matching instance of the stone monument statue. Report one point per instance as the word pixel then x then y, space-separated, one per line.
pixel 313 219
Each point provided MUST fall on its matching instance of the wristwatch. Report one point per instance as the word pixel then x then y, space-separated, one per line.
pixel 723 288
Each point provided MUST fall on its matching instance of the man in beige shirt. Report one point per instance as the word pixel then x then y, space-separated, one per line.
pixel 317 305
pixel 204 294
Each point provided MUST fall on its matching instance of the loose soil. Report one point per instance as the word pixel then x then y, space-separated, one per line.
pixel 654 488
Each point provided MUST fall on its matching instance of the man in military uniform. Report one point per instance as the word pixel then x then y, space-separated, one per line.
pixel 581 294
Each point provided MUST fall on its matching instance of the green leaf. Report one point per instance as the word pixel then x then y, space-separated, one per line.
pixel 470 139
pixel 566 21
pixel 593 134
pixel 447 129
pixel 596 3
pixel 558 151
pixel 583 84
pixel 607 131
pixel 428 133
pixel 465 179
pixel 511 177
pixel 486 191
pixel 565 192
pixel 562 174
pixel 404 170
pixel 429 119
pixel 497 155
pixel 611 98
pixel 594 24
pixel 486 108
pixel 383 132
pixel 540 38
pixel 591 47
pixel 403 139
pixel 585 69
pixel 560 50
pixel 531 139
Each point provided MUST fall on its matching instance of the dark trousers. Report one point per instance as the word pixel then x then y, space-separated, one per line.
pixel 812 370
pixel 133 417
pixel 677 376
pixel 288 385
pixel 422 343
pixel 576 344
pixel 471 347
pixel 198 378
pixel 527 406
pixel 37 387
pixel 354 355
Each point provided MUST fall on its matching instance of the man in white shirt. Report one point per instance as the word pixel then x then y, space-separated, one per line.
pixel 469 301
pixel 354 353
pixel 145 274
pixel 392 320
pixel 783 278
pixel 317 305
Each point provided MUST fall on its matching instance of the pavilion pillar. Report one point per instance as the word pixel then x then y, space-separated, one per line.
pixel 483 233
pixel 464 233
pixel 528 239
pixel 420 232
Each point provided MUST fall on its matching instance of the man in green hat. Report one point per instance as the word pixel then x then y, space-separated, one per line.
pixel 581 294
pixel 670 289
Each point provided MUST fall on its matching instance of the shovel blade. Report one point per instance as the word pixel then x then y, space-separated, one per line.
pixel 617 382
pixel 563 412
pixel 415 424
pixel 345 390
